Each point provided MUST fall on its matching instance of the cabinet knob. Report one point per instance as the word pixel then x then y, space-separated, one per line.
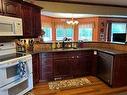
pixel 77 56
pixel 72 57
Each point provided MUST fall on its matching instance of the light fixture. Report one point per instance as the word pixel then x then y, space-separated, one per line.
pixel 72 22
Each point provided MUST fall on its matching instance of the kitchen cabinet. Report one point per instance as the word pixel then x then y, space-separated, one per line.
pixel 11 8
pixel 81 63
pixel 27 20
pixel 36 68
pixel 46 65
pixel 36 18
pixel 1 7
pixel 76 61
pixel 31 17
pixel 67 64
pixel 61 66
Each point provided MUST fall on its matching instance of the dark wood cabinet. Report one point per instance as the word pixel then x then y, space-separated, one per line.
pixel 36 68
pixel 61 66
pixel 1 7
pixel 76 61
pixel 67 64
pixel 11 8
pixel 81 63
pixel 36 18
pixel 27 20
pixel 31 17
pixel 46 66
pixel 29 13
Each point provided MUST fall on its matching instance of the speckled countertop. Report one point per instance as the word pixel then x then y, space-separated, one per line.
pixel 109 51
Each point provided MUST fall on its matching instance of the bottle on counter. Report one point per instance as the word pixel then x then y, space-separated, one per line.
pixel 53 45
pixel 58 45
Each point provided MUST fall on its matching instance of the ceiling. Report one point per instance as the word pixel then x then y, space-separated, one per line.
pixel 74 15
pixel 83 8
pixel 105 2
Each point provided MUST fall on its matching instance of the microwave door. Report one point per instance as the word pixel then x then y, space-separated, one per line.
pixel 7 28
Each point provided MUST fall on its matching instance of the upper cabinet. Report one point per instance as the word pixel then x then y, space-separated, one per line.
pixel 10 8
pixel 30 14
pixel 1 8
pixel 36 18
pixel 27 20
pixel 31 17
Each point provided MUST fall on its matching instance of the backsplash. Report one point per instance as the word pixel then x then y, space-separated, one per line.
pixel 122 47
pixel 23 45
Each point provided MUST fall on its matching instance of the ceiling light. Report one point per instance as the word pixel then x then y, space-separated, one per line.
pixel 72 22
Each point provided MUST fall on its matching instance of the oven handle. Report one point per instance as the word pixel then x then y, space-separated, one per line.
pixel 12 84
pixel 8 65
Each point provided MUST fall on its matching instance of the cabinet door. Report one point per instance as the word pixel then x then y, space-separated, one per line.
pixel 12 8
pixel 78 64
pixel 1 7
pixel 61 68
pixel 27 20
pixel 36 22
pixel 36 68
pixel 104 67
pixel 46 66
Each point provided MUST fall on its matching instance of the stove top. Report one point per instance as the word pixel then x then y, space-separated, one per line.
pixel 11 56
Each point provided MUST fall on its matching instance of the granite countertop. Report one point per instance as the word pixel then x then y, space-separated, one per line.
pixel 109 51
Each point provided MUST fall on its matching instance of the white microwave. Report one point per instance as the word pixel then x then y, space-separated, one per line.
pixel 10 26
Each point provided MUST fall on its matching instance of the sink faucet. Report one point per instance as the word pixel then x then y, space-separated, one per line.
pixel 63 44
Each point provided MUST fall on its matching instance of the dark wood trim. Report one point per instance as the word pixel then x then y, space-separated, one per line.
pixel 84 3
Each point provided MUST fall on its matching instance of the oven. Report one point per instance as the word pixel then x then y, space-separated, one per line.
pixel 16 76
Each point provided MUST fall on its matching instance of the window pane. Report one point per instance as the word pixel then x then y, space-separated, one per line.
pixel 48 34
pixel 64 32
pixel 118 28
pixel 59 33
pixel 69 32
pixel 85 33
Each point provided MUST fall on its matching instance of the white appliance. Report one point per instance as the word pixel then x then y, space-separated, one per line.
pixel 10 26
pixel 16 77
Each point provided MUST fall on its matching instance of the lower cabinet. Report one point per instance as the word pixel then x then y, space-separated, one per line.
pixel 36 68
pixel 46 66
pixel 67 64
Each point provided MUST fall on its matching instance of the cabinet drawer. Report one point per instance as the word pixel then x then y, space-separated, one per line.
pixel 60 55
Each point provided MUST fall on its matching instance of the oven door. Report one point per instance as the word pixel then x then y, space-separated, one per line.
pixel 9 72
pixel 19 87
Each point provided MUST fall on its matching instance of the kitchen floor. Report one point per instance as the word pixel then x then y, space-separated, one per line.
pixel 97 88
